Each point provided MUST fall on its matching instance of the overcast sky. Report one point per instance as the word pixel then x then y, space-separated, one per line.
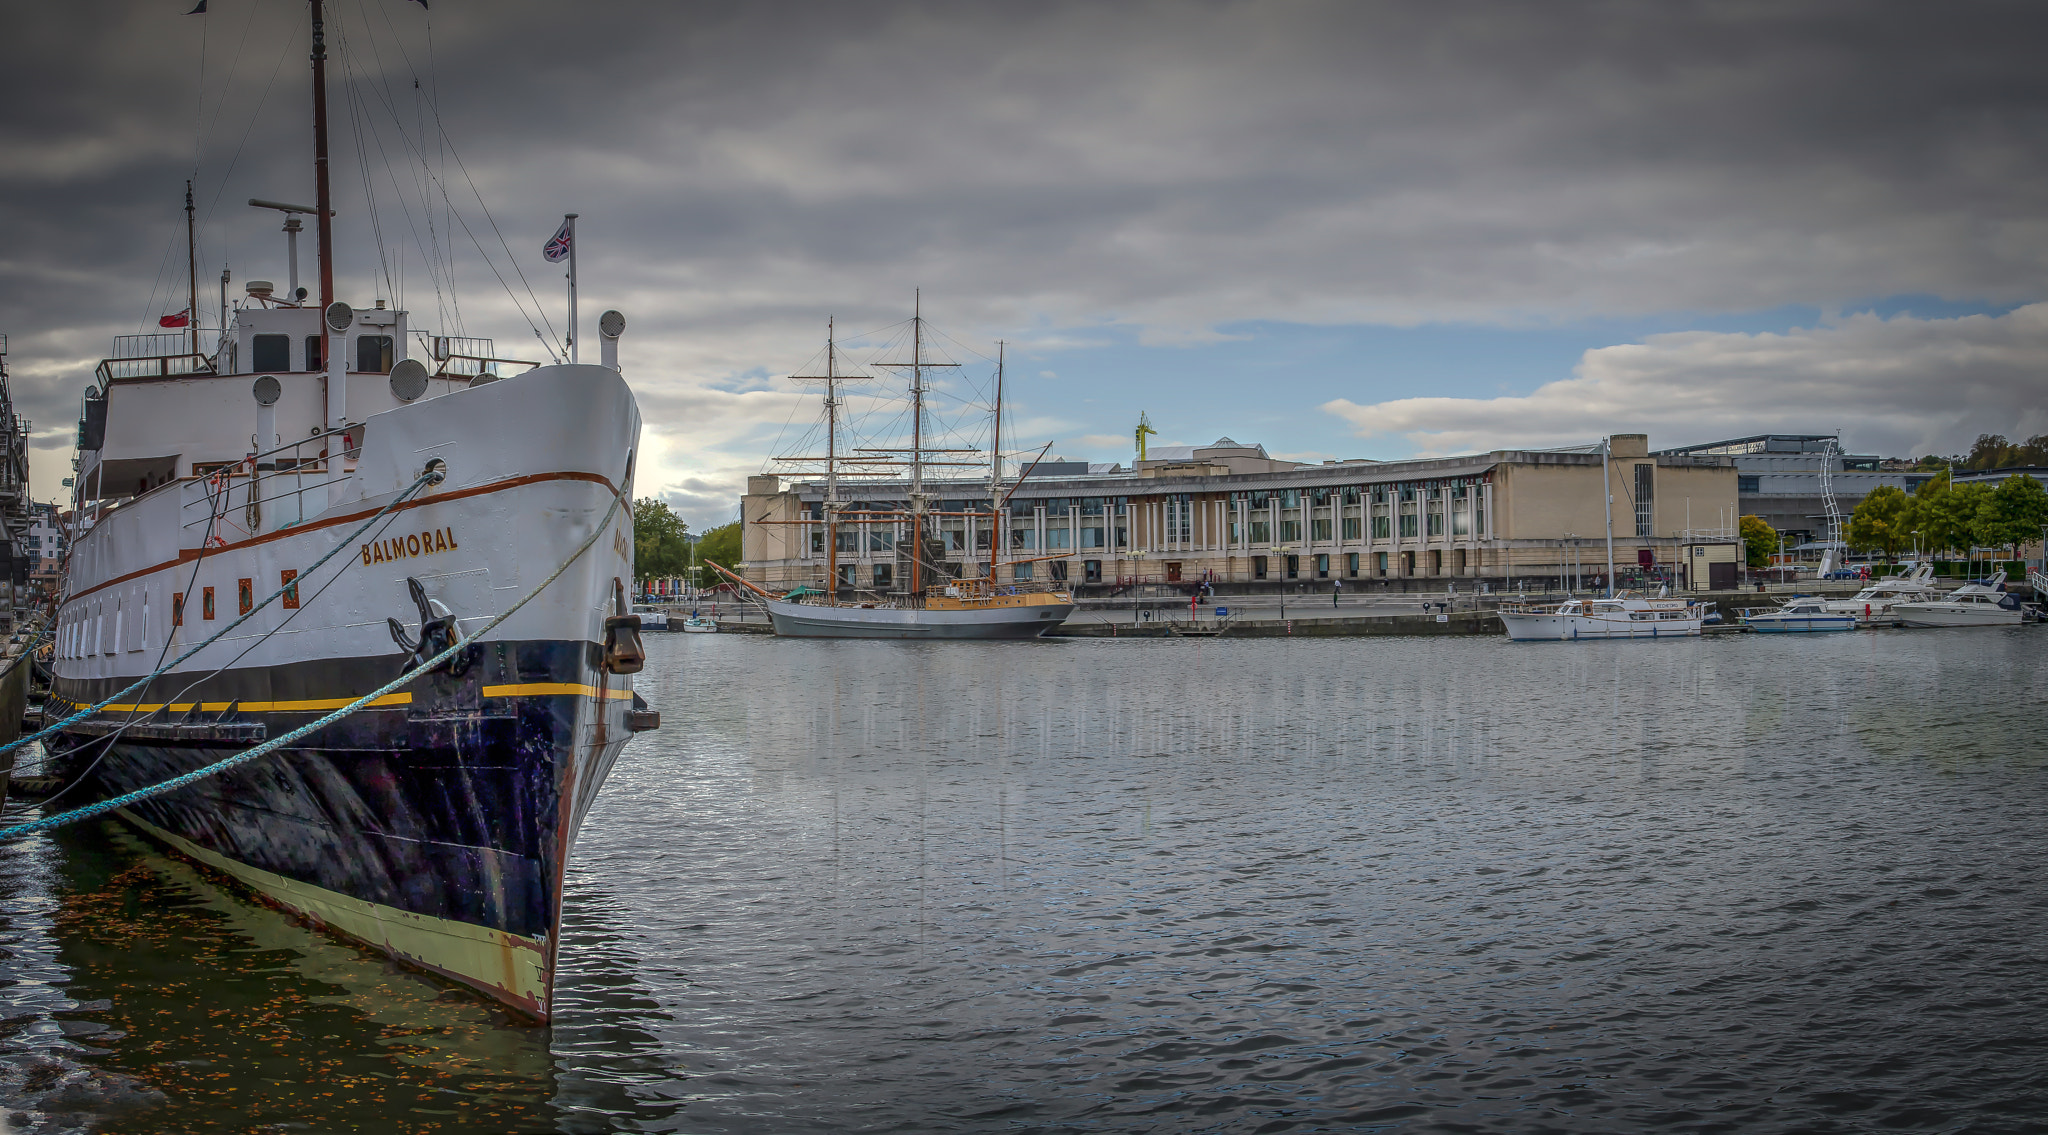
pixel 1339 229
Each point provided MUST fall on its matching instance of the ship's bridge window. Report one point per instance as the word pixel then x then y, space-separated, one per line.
pixel 313 360
pixel 271 353
pixel 373 354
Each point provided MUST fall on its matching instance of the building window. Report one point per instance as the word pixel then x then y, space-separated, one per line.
pixel 1436 561
pixel 1290 531
pixel 1091 537
pixel 1747 484
pixel 1461 523
pixel 373 354
pixel 1351 528
pixel 1021 573
pixel 1408 564
pixel 1350 494
pixel 1379 563
pixel 1351 565
pixel 884 576
pixel 1123 535
pixel 270 353
pixel 1091 506
pixel 1294 567
pixel 1258 567
pixel 1262 531
pixel 881 539
pixel 818 543
pixel 1379 527
pixel 1290 498
pixel 1023 539
pixel 1055 539
pixel 1407 525
pixel 846 576
pixel 1059 571
pixel 847 540
pixel 1646 500
pixel 1091 571
pixel 1322 566
pixel 313 343
pixel 1320 529
pixel 1436 522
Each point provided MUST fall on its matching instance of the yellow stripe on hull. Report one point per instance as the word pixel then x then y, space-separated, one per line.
pixel 508 967
pixel 528 689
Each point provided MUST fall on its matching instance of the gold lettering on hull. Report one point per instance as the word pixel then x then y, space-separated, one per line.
pixel 409 546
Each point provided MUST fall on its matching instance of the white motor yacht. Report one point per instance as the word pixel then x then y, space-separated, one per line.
pixel 652 618
pixel 1874 603
pixel 1624 616
pixel 1802 614
pixel 1971 605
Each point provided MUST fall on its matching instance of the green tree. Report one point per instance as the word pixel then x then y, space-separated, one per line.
pixel 1882 521
pixel 1759 540
pixel 1936 518
pixel 660 540
pixel 2012 513
pixel 721 544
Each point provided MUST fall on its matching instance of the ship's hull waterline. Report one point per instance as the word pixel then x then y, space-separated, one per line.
pixel 436 823
pixel 806 620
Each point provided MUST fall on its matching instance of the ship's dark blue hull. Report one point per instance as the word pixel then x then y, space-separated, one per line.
pixel 434 825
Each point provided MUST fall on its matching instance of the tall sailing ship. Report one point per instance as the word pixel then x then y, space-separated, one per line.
pixel 932 602
pixel 435 824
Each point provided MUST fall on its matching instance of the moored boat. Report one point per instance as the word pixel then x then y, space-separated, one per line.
pixel 1800 615
pixel 1873 604
pixel 1624 616
pixel 1972 605
pixel 383 514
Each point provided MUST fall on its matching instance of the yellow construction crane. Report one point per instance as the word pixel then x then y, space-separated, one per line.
pixel 1144 428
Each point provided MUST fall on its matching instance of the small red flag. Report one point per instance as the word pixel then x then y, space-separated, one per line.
pixel 182 319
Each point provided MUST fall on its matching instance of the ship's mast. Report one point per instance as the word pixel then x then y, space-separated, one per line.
pixel 995 473
pixel 192 273
pixel 916 439
pixel 831 460
pixel 831 378
pixel 324 224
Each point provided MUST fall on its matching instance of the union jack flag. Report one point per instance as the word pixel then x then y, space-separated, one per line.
pixel 557 247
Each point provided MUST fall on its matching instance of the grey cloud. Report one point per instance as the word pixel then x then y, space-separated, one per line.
pixel 1048 170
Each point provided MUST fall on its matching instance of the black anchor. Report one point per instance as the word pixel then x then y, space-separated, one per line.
pixel 437 633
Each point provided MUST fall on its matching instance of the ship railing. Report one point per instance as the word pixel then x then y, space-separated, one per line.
pixel 235 500
pixel 153 366
pixel 480 364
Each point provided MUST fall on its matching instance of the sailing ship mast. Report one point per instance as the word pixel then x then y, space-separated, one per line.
pixel 916 440
pixel 995 473
pixel 831 378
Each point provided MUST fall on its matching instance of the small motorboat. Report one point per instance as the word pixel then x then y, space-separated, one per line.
pixel 1624 616
pixel 1874 603
pixel 698 624
pixel 652 618
pixel 1802 614
pixel 1972 605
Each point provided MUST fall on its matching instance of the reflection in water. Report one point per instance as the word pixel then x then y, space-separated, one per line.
pixel 212 1012
pixel 1162 885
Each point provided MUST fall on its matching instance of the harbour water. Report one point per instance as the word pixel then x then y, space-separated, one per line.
pixel 1761 883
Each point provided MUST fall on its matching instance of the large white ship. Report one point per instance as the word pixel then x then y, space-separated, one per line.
pixel 434 824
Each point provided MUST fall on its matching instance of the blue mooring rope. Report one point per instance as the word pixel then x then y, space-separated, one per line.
pixel 88 711
pixel 247 755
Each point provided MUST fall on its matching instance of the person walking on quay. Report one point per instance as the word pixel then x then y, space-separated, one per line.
pixel 1336 591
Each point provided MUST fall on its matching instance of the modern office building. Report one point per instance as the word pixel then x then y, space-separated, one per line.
pixel 1779 477
pixel 1231 515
